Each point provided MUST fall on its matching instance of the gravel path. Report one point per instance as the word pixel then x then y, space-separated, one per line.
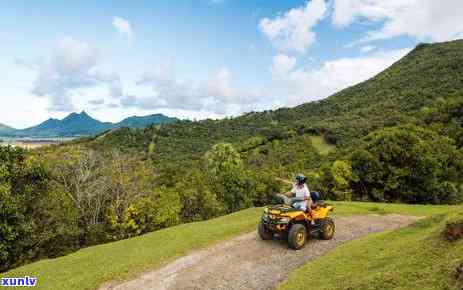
pixel 246 262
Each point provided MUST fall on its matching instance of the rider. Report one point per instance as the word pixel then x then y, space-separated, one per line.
pixel 301 190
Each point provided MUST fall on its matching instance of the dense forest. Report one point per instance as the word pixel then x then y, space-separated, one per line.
pixel 397 137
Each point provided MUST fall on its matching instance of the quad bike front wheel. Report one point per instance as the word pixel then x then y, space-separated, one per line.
pixel 327 229
pixel 297 236
pixel 264 233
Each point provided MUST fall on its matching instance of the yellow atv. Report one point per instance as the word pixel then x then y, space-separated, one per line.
pixel 294 224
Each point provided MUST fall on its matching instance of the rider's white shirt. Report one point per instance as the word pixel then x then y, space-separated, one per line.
pixel 301 191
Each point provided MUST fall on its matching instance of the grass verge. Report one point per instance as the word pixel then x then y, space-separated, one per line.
pixel 416 257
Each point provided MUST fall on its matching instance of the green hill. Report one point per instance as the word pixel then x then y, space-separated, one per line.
pixel 424 90
pixel 395 96
pixel 144 121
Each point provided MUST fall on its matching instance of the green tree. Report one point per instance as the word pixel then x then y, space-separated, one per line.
pixel 342 176
pixel 197 200
pixel 409 164
pixel 27 222
pixel 225 174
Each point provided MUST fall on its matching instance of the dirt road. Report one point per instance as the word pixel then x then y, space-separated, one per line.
pixel 246 262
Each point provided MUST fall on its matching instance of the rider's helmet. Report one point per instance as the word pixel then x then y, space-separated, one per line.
pixel 300 179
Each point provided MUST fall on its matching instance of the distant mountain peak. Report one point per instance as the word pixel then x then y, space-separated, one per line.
pixel 82 124
pixel 78 116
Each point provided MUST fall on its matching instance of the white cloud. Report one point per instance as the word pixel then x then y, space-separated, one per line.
pixel 220 85
pixel 123 26
pixel 282 65
pixel 71 68
pixel 303 85
pixel 216 95
pixel 426 20
pixel 367 48
pixel 292 31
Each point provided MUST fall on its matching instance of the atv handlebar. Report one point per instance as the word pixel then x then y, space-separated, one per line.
pixel 289 200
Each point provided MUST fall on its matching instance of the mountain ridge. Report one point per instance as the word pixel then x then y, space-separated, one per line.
pixel 4 129
pixel 82 124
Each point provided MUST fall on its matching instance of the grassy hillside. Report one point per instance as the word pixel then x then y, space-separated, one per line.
pixel 144 121
pixel 89 267
pixel 416 257
pixel 423 90
pixel 395 96
pixel 321 145
pixel 429 72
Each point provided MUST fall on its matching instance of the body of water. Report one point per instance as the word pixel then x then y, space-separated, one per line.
pixel 27 142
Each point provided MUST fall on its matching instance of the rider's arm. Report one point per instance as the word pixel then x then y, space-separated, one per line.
pixel 284 180
pixel 292 192
pixel 288 194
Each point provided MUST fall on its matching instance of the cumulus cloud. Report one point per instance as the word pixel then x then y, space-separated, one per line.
pixel 216 94
pixel 426 20
pixel 123 26
pixel 367 48
pixel 70 68
pixel 304 84
pixel 292 30
pixel 282 65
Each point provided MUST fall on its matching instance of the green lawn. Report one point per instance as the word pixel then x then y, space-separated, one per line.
pixel 90 267
pixel 320 144
pixel 416 257
pixel 350 208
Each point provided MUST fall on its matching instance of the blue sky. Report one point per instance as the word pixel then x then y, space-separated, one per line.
pixel 200 58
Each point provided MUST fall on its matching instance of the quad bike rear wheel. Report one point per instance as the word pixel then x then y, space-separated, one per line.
pixel 327 229
pixel 297 236
pixel 264 233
